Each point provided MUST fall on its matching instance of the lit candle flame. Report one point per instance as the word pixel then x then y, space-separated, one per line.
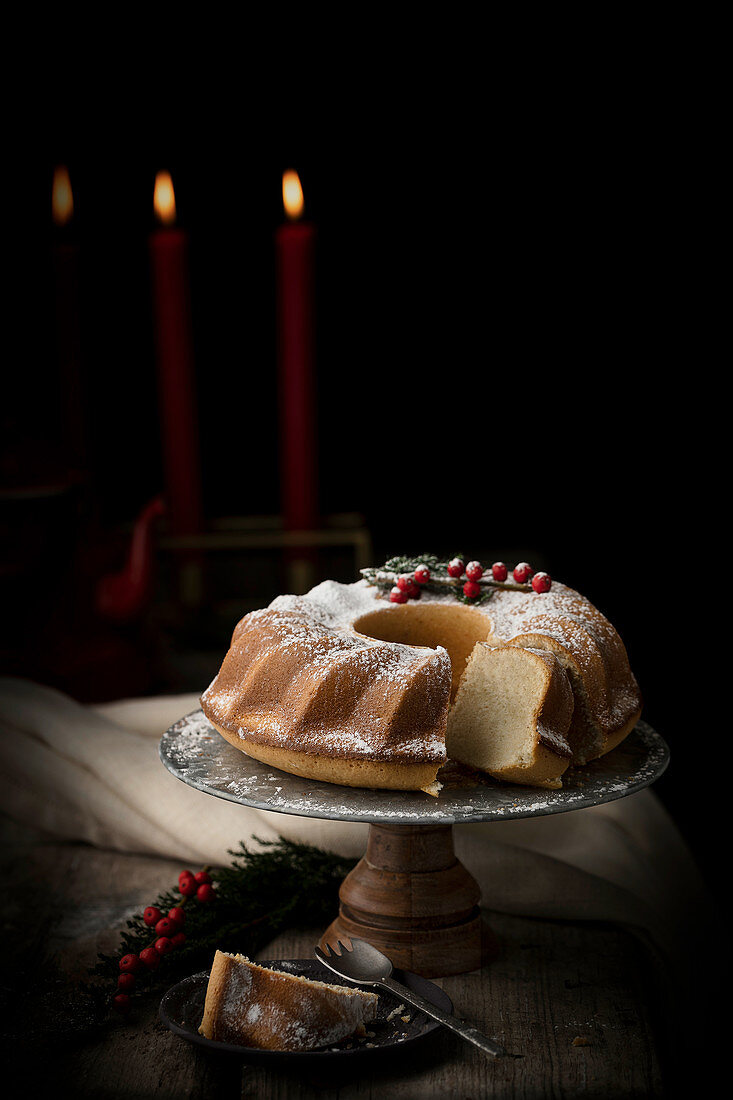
pixel 62 198
pixel 292 195
pixel 164 199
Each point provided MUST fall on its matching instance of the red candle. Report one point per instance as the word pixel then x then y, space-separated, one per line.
pixel 68 343
pixel 170 287
pixel 295 248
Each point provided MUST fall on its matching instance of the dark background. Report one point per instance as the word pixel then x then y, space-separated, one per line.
pixel 513 362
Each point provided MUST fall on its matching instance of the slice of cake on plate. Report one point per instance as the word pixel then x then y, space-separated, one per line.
pixel 256 1006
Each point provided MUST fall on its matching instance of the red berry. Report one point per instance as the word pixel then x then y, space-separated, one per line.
pixel 121 1002
pixel 474 570
pixel 150 957
pixel 184 874
pixel 542 582
pixel 407 585
pixel 455 567
pixel 522 572
pixel 471 589
pixel 166 927
pixel 396 596
pixel 203 876
pixel 177 914
pixel 187 885
pixel 422 574
pixel 163 945
pixel 129 963
pixel 126 981
pixel 179 939
pixel 152 915
pixel 499 571
pixel 205 892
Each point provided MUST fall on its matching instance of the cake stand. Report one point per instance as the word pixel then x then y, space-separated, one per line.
pixel 409 895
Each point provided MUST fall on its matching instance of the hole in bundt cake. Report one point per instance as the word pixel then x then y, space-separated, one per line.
pixel 456 628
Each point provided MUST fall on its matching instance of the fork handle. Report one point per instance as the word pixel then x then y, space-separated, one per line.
pixel 471 1034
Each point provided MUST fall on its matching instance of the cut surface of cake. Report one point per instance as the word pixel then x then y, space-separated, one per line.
pixel 344 685
pixel 511 716
pixel 257 1006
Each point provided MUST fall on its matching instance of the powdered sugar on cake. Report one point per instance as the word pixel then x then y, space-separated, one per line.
pixel 301 678
pixel 262 1007
pixel 353 674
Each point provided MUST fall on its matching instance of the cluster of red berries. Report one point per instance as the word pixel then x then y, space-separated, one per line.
pixel 474 571
pixel 408 586
pixel 168 931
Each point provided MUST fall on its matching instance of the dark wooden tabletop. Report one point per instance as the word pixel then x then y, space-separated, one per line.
pixel 579 1007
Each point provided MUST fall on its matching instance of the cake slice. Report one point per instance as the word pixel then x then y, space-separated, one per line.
pixel 511 716
pixel 256 1006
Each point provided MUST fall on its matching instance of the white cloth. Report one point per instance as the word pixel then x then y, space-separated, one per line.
pixel 93 774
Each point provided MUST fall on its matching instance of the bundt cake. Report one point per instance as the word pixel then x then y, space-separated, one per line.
pixel 257 1006
pixel 376 684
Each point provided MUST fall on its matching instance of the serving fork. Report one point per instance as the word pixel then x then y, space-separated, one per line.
pixel 364 964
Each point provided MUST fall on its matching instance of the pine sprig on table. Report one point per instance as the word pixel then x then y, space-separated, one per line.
pixel 261 893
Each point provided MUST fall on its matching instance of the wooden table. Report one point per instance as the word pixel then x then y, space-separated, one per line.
pixel 576 1005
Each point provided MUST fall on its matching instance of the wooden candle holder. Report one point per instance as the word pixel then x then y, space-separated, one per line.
pixel 413 899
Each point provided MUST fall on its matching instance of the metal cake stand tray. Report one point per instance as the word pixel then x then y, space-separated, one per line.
pixel 409 895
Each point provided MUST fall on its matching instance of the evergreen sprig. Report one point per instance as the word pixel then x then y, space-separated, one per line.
pixel 283 885
pixel 401 564
pixel 385 576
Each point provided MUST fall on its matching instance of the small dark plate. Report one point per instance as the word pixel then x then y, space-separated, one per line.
pixel 182 1009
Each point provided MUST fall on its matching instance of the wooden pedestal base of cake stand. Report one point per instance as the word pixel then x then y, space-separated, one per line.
pixel 414 900
pixel 409 895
